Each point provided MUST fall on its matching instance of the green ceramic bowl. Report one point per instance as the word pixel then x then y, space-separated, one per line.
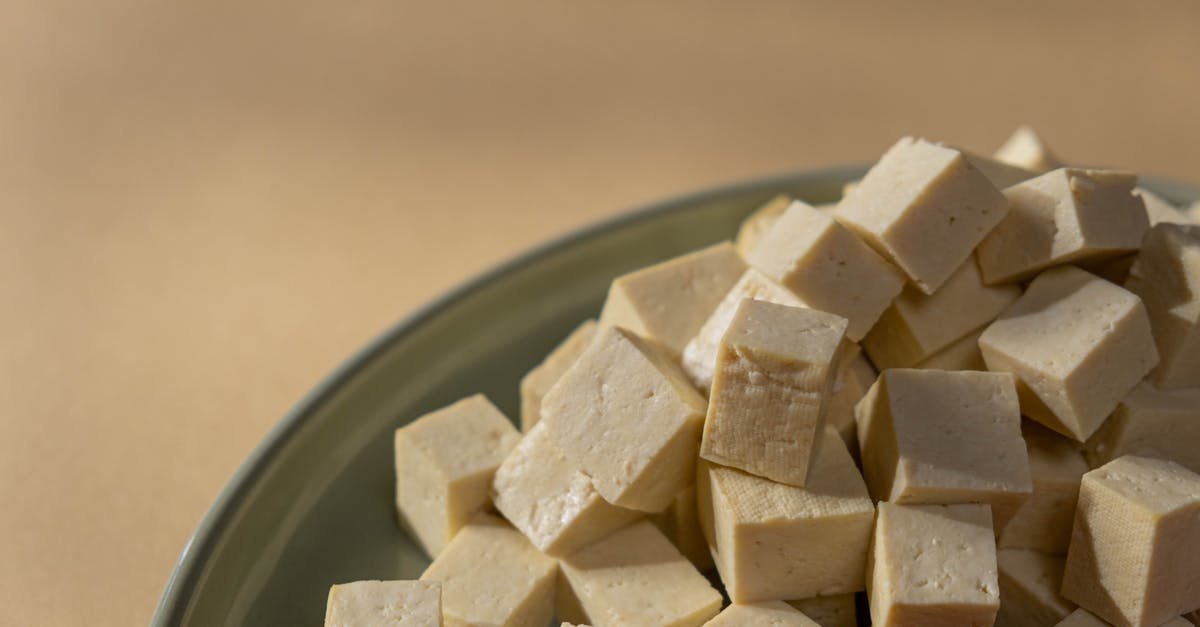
pixel 312 506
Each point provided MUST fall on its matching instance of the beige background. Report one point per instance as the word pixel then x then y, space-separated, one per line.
pixel 208 205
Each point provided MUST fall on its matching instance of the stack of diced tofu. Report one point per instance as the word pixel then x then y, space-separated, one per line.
pixel 966 394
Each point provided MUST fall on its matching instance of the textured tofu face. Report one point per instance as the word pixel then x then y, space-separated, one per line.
pixel 827 267
pixel 765 614
pixel 626 414
pixel 1166 275
pixel 775 372
pixel 1152 423
pixel 933 565
pixel 924 207
pixel 1029 584
pixel 444 466
pixel 1077 345
pixel 1043 522
pixel 385 604
pixel 1132 559
pixel 838 610
pixel 1064 216
pixel 538 381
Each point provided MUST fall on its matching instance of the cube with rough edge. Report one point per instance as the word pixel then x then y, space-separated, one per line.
pixel 1024 148
pixel 924 207
pixel 444 466
pixel 681 524
pixel 1077 345
pixel 757 223
pixel 936 436
pixel 764 614
pixel 492 575
pixel 774 376
pixel 1067 215
pixel 933 565
pixel 546 497
pixel 855 378
pixel 1152 423
pixel 827 267
pixel 1166 275
pixel 1159 209
pixel 1043 522
pixel 636 577
pixel 385 604
pixel 628 416
pixel 667 302
pixel 538 381
pixel 838 610
pixel 961 354
pixel 762 531
pixel 1029 584
pixel 1134 547
pixel 918 325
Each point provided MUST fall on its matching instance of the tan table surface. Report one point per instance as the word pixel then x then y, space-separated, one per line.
pixel 208 205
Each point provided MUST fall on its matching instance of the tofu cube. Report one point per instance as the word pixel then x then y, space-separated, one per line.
pixel 758 223
pixel 549 500
pixel 1029 584
pixel 492 575
pixel 1159 209
pixel 636 577
pixel 855 378
pixel 667 302
pixel 774 375
pixel 385 604
pixel 838 610
pixel 444 466
pixel 933 565
pixel 924 207
pixel 681 524
pixel 918 325
pixel 1043 522
pixel 1082 618
pixel 1152 423
pixel 1025 149
pixel 961 354
pixel 997 172
pixel 1133 555
pixel 1077 345
pixel 774 541
pixel 1166 275
pixel 627 415
pixel 827 267
pixel 1067 215
pixel 934 436
pixel 765 614
pixel 538 381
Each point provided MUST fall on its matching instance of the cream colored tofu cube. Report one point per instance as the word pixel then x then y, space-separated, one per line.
pixel 700 354
pixel 837 610
pixel 538 381
pixel 681 524
pixel 636 577
pixel 444 466
pixel 773 541
pixel 1029 583
pixel 1043 522
pixel 1166 275
pixel 385 604
pixel 997 172
pixel 765 614
pixel 758 223
pixel 1159 209
pixel 492 575
pixel 667 302
pixel 1025 149
pixel 1067 215
pixel 918 325
pixel 1152 423
pixel 935 436
pixel 628 416
pixel 856 377
pixel 1134 548
pixel 1077 345
pixel 933 565
pixel 775 372
pixel 961 354
pixel 924 207
pixel 549 500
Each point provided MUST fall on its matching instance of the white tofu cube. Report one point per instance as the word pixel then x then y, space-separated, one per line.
pixel 1043 522
pixel 1152 423
pixel 961 354
pixel 1166 275
pixel 758 223
pixel 765 614
pixel 538 381
pixel 1029 584
pixel 385 604
pixel 1159 209
pixel 1025 149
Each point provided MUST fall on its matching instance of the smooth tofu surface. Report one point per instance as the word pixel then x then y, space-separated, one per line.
pixel 492 575
pixel 444 466
pixel 774 541
pixel 827 267
pixel 933 565
pixel 1067 215
pixel 1152 423
pixel 918 325
pixel 757 223
pixel 961 354
pixel 765 614
pixel 838 610
pixel 924 207
pixel 636 577
pixel 1025 149
pixel 855 379
pixel 550 500
pixel 997 172
pixel 1077 345
pixel 538 381
pixel 774 375
pixel 1166 275
pixel 935 436
pixel 1132 559
pixel 628 416
pixel 1159 209
pixel 1043 522
pixel 681 524
pixel 1029 584
pixel 667 302
pixel 385 604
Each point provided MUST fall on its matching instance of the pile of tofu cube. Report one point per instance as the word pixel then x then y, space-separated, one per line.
pixel 966 394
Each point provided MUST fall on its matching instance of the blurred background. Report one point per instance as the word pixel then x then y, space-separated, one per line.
pixel 208 205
